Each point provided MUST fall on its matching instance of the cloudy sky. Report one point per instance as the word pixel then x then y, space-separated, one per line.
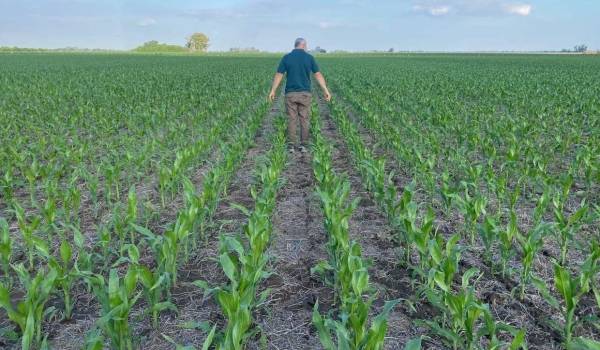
pixel 435 25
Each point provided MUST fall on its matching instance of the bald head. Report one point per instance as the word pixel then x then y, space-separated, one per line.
pixel 300 43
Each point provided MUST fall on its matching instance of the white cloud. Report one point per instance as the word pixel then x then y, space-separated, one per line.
pixel 471 7
pixel 433 10
pixel 146 22
pixel 328 25
pixel 518 9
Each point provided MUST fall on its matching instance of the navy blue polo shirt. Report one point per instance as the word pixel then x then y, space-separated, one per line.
pixel 298 65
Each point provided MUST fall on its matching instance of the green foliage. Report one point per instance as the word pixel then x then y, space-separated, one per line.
pixel 117 297
pixel 30 311
pixel 154 46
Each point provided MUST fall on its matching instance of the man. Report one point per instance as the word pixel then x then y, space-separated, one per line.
pixel 298 65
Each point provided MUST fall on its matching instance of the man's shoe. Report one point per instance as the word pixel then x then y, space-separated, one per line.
pixel 291 149
pixel 302 149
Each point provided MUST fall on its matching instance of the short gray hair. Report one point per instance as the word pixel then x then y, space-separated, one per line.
pixel 299 41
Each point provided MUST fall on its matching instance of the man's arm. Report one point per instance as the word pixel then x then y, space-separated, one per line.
pixel 323 85
pixel 276 81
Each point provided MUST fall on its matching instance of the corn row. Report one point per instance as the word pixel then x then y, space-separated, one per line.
pixel 345 270
pixel 244 258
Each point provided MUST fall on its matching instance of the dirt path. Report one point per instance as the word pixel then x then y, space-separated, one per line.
pixel 298 244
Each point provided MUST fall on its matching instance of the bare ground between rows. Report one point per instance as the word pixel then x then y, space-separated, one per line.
pixel 298 244
pixel 369 227
pixel 191 304
pixel 533 313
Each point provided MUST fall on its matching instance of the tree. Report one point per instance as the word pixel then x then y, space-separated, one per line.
pixel 155 46
pixel 197 42
pixel 581 48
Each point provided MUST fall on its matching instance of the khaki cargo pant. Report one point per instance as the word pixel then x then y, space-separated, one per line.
pixel 297 106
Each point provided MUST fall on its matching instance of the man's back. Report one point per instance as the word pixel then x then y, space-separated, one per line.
pixel 298 65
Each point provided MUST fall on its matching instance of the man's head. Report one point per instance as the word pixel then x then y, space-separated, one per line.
pixel 300 43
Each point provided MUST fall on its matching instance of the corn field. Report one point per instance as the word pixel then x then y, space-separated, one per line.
pixel 445 202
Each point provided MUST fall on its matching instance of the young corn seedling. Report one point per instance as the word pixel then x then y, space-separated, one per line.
pixel 472 207
pixel 166 248
pixel 116 299
pixel 153 284
pixel 33 243
pixel 132 213
pixel 448 192
pixel 7 186
pixel 420 237
pixel 30 311
pixel 6 248
pixel 66 273
pixel 71 204
pixel 352 330
pixel 462 312
pixel 489 233
pixel 567 227
pixel 507 236
pixel 572 288
pixel 32 173
pixel 530 246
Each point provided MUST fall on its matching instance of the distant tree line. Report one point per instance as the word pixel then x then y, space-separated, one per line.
pixel 197 42
pixel 62 49
pixel 577 48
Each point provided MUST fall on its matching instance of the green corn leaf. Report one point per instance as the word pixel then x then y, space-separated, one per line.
pixel 210 338
pixel 324 334
pixel 229 267
pixel 518 341
pixel 581 343
pixel 413 344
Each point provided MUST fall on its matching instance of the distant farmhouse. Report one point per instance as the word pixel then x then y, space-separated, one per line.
pixel 318 49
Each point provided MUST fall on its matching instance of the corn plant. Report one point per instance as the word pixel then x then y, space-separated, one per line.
pixel 166 248
pixel 508 236
pixel 571 289
pixel 30 311
pixel 462 312
pixel 489 234
pixel 153 285
pixel 352 329
pixel 28 228
pixel 7 185
pixel 472 207
pixel 567 226
pixel 246 267
pixel 66 274
pixel 116 298
pixel 531 243
pixel 421 235
pixel 6 247
pixel 346 268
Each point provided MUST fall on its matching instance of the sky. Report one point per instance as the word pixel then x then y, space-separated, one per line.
pixel 272 25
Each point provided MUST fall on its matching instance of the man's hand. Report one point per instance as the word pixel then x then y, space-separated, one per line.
pixel 321 81
pixel 271 96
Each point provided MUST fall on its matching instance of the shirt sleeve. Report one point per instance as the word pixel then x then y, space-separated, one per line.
pixel 314 67
pixel 282 68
